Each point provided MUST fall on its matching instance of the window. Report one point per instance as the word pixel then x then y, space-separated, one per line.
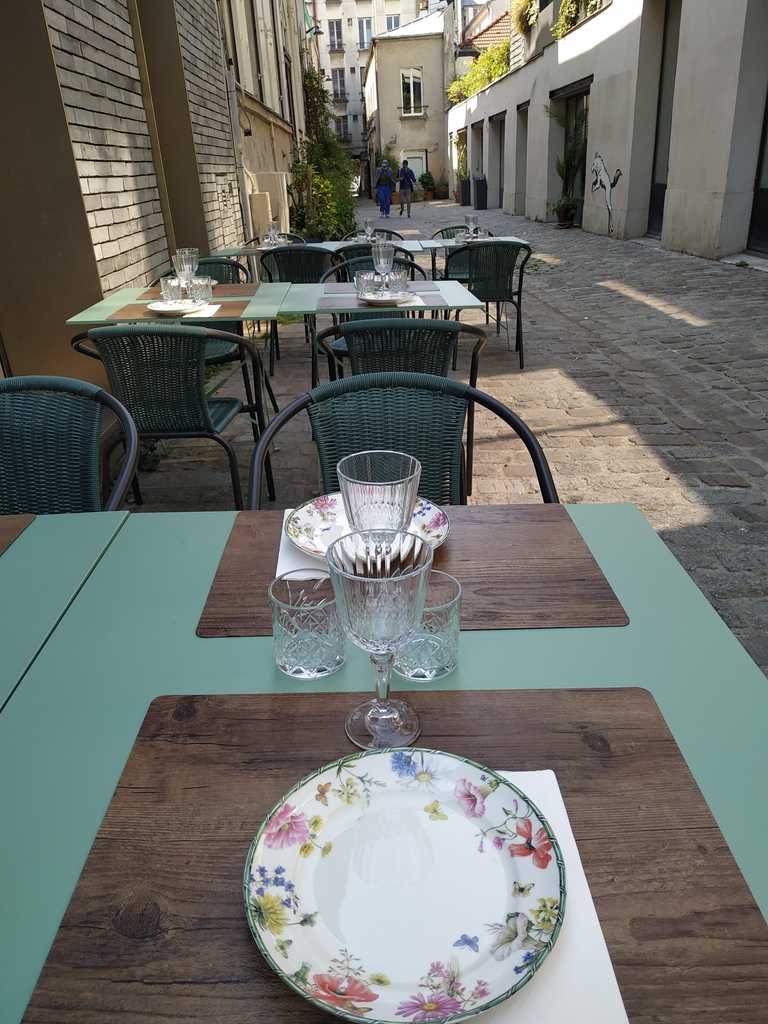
pixel 339 85
pixel 253 43
pixel 289 83
pixel 334 35
pixel 410 81
pixel 342 127
pixel 363 33
pixel 354 119
pixel 393 22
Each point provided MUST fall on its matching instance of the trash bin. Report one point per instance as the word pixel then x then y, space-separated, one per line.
pixel 481 192
pixel 465 187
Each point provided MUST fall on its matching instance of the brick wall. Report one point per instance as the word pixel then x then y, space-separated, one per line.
pixel 207 96
pixel 96 62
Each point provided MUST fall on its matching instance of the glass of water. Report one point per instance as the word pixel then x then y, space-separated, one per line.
pixel 170 289
pixel 308 640
pixel 185 264
pixel 379 489
pixel 201 289
pixel 368 229
pixel 433 650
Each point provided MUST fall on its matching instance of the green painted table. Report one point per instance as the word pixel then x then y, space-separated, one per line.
pixel 40 575
pixel 264 305
pixel 130 636
pixel 411 245
pixel 307 299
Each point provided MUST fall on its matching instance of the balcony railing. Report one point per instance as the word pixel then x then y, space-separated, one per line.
pixel 340 97
pixel 343 137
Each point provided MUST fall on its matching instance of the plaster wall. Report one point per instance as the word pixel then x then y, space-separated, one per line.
pixel 405 134
pixel 611 48
pixel 717 119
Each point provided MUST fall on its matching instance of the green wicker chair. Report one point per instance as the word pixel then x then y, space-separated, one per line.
pixel 404 346
pixel 158 372
pixel 346 271
pixel 361 250
pixel 415 413
pixel 459 270
pixel 225 271
pixel 50 454
pixel 491 268
pixel 299 264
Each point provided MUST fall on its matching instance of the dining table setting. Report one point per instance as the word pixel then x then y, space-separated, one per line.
pixel 519 815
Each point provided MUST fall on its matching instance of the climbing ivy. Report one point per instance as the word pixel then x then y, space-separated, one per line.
pixel 490 65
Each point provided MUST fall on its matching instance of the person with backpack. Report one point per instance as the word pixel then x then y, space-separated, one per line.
pixel 407 180
pixel 385 182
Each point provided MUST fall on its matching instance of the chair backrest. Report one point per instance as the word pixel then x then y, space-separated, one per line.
pixel 158 373
pixel 382 232
pixel 223 270
pixel 299 264
pixel 347 270
pixel 50 447
pixel 400 345
pixel 491 268
pixel 416 413
pixel 451 231
pixel 285 236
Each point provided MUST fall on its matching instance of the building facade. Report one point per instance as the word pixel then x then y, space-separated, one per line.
pixel 405 82
pixel 122 118
pixel 673 107
pixel 347 30
pixel 267 44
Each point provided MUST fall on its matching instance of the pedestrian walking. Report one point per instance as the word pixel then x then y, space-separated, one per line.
pixel 385 182
pixel 407 181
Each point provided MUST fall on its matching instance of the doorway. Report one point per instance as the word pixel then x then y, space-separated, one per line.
pixel 664 117
pixel 575 145
pixel 417 160
pixel 521 160
pixel 758 226
pixel 497 128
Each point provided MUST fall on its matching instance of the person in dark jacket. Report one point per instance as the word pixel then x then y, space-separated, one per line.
pixel 407 180
pixel 385 182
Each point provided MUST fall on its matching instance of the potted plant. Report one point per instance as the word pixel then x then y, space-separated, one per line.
pixel 427 182
pixel 441 189
pixel 464 195
pixel 565 208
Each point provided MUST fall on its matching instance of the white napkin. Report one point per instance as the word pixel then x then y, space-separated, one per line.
pixel 415 300
pixel 576 981
pixel 208 310
pixel 289 558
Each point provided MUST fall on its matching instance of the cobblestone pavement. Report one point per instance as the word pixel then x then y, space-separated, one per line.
pixel 646 381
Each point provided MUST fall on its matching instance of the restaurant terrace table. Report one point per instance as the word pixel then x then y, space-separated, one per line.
pixel 129 305
pixel 130 637
pixel 41 572
pixel 311 299
pixel 409 244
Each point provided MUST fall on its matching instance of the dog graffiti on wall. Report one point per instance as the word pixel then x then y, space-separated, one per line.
pixel 602 179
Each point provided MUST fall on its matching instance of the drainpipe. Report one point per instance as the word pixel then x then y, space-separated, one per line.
pixel 234 120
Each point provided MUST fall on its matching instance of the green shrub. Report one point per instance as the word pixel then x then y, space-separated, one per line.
pixel 322 200
pixel 427 182
pixel 490 65
pixel 524 15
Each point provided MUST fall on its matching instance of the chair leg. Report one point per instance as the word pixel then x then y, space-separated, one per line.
pixel 309 330
pixel 519 337
pixel 256 399
pixel 454 362
pixel 498 318
pixel 272 346
pixel 136 490
pixel 234 472
pixel 469 462
pixel 487 313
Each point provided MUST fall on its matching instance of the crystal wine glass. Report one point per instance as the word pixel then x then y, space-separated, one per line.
pixel 380 581
pixel 383 254
pixel 368 226
pixel 185 264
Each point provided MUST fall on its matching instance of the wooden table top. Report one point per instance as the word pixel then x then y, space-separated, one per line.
pixel 520 567
pixel 156 929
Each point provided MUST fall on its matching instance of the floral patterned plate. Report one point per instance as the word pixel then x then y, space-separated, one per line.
pixel 316 524
pixel 404 885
